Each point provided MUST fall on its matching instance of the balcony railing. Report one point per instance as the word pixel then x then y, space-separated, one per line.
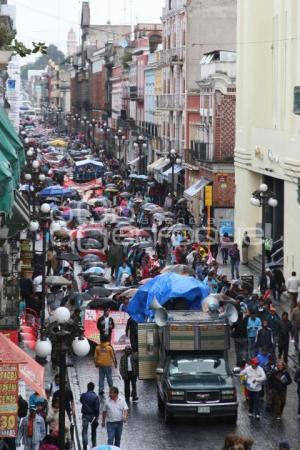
pixel 171 101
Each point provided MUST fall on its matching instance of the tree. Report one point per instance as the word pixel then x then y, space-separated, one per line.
pixel 53 53
pixel 8 41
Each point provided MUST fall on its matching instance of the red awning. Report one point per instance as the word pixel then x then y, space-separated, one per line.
pixel 29 370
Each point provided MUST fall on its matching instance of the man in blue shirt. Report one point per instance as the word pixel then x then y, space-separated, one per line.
pixel 253 324
pixel 90 414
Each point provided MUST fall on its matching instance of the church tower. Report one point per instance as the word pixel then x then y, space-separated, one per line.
pixel 71 43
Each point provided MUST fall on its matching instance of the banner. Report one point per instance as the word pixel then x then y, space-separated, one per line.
pixel 29 370
pixel 91 332
pixel 8 400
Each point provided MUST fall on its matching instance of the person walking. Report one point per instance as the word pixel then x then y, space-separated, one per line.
pixel 90 414
pixel 129 373
pixel 105 324
pixel 239 334
pixel 253 325
pixel 285 331
pixel 105 359
pixel 279 283
pixel 31 431
pixel 225 243
pixel 115 256
pixel 115 413
pixel 292 285
pixel 245 248
pixel 279 380
pixel 297 380
pixel 264 338
pixel 296 326
pixel 255 377
pixel 235 260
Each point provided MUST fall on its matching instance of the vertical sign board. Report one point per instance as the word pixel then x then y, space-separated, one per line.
pixel 8 399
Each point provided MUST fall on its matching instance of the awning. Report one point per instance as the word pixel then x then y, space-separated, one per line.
pixel 30 371
pixel 193 190
pixel 20 218
pixel 177 169
pixel 6 186
pixel 134 161
pixel 12 136
pixel 159 163
pixel 9 152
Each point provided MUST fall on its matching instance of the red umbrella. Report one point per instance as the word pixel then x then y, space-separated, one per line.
pixel 136 232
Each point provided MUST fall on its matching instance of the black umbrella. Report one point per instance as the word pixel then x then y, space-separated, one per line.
pixel 68 257
pixel 97 279
pixel 81 297
pixel 91 243
pixel 103 302
pixel 98 291
pixel 89 264
pixel 90 258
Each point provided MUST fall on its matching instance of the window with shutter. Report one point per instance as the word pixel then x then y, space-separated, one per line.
pixel 297 100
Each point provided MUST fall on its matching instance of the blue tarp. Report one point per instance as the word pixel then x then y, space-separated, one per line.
pixel 163 288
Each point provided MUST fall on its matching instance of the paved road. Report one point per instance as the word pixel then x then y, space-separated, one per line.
pixel 146 430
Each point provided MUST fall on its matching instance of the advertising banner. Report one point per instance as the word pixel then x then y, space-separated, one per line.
pixel 91 332
pixel 8 399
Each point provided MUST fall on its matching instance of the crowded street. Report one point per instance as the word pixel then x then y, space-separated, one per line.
pixel 149 223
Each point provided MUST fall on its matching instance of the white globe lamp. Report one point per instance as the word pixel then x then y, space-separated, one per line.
pixel 263 187
pixel 81 347
pixel 45 208
pixel 272 202
pixel 34 225
pixel 43 348
pixel 62 314
pixel 254 201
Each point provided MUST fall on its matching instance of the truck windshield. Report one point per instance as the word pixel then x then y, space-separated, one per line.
pixel 197 366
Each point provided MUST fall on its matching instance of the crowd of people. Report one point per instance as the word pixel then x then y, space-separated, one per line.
pixel 151 237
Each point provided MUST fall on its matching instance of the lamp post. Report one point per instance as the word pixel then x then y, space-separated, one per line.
pixel 105 130
pixel 120 138
pixel 64 334
pixel 263 197
pixel 93 124
pixel 141 144
pixel 173 158
pixel 77 119
pixel 44 220
pixel 68 119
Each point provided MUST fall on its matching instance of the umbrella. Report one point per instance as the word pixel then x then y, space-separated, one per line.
pixel 143 244
pixel 93 233
pixel 98 280
pixel 108 174
pixel 90 258
pixel 181 269
pixel 98 291
pixel 137 232
pixel 181 201
pixel 164 288
pixel 51 199
pixel 81 297
pixel 159 216
pixel 100 303
pixel 108 218
pixel 111 185
pixel 130 292
pixel 106 447
pixel 87 243
pixel 57 281
pixel 180 227
pixel 53 191
pixel 111 189
pixel 88 265
pixel 69 257
pixel 94 270
pixel 125 194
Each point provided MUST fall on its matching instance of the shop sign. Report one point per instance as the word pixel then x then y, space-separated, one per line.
pixel 208 196
pixel 226 226
pixel 8 399
pixel 13 335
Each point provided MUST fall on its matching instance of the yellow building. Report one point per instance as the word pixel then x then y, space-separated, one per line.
pixel 267 128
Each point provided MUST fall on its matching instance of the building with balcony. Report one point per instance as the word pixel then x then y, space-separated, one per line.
pixel 212 139
pixel 190 29
pixel 268 122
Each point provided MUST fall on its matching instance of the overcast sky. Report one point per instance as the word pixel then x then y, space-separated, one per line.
pixel 50 20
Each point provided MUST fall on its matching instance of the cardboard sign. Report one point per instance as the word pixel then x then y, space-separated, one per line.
pixel 91 332
pixel 8 400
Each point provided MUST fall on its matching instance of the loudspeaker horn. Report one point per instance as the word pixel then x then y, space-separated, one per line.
pixel 161 314
pixel 210 304
pixel 230 313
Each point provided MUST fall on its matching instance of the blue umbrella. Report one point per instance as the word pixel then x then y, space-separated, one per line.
pixel 53 191
pixel 163 288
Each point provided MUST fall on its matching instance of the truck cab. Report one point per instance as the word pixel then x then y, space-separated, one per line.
pixel 189 356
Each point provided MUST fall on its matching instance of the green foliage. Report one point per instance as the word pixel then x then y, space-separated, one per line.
pixel 8 41
pixel 6 37
pixel 126 59
pixel 52 53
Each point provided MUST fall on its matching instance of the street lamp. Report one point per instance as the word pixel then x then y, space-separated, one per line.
pixel 120 139
pixel 62 333
pixel 263 197
pixel 93 124
pixel 45 220
pixel 105 130
pixel 141 144
pixel 174 159
pixel 77 120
